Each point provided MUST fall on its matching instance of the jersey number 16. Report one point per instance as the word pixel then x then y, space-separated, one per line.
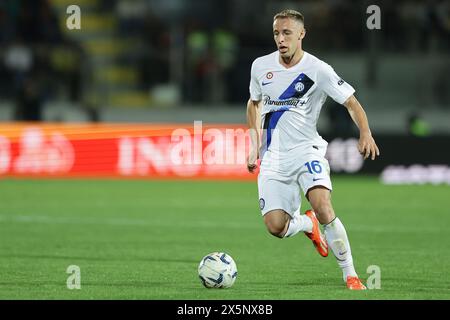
pixel 314 166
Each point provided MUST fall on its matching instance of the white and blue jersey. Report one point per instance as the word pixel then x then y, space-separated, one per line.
pixel 292 99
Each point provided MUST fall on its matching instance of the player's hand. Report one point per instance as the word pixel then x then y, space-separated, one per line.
pixel 252 160
pixel 367 146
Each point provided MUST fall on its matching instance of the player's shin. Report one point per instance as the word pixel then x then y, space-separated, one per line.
pixel 298 223
pixel 338 241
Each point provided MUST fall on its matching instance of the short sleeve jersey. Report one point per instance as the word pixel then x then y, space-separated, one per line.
pixel 293 97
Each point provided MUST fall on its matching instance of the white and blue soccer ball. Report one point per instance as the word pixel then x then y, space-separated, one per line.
pixel 217 270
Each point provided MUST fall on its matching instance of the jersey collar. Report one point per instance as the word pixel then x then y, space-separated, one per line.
pixel 295 67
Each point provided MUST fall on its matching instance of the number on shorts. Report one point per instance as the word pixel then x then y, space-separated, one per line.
pixel 314 166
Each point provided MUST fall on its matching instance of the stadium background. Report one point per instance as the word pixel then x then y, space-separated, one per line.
pixel 105 100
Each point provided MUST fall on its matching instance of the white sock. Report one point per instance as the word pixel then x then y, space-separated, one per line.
pixel 299 222
pixel 338 242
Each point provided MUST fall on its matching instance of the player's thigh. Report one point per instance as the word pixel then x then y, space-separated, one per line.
pixel 277 192
pixel 314 171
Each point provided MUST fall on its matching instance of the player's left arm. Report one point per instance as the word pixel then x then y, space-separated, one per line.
pixel 366 146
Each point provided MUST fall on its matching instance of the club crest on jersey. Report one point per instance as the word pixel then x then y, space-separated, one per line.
pixel 269 75
pixel 299 87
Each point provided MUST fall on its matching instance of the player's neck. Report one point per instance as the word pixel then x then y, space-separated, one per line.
pixel 291 61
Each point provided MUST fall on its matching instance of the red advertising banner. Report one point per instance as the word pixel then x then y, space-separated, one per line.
pixel 127 151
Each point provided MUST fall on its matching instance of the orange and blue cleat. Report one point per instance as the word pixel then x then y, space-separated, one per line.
pixel 316 235
pixel 353 283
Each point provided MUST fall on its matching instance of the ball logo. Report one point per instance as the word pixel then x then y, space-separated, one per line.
pixel 299 87
pixel 262 203
pixel 269 75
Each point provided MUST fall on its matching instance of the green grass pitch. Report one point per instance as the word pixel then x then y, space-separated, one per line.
pixel 136 239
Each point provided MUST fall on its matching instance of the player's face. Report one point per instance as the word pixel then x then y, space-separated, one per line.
pixel 287 34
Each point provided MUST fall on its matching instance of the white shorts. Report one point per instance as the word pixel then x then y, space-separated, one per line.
pixel 281 178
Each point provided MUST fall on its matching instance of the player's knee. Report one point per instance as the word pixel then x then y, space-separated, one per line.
pixel 276 223
pixel 324 211
pixel 275 230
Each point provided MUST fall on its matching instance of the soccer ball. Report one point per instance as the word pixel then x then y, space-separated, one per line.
pixel 217 270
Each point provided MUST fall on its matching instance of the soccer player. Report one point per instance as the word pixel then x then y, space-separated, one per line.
pixel 287 90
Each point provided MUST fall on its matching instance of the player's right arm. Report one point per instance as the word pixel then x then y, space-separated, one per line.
pixel 254 117
pixel 253 122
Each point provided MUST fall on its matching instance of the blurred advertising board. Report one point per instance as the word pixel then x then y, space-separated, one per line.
pixel 118 150
pixel 402 160
pixel 194 151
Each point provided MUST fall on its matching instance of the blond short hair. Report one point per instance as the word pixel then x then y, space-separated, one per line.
pixel 289 13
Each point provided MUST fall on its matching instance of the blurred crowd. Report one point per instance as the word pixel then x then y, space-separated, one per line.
pixel 37 61
pixel 219 39
pixel 204 46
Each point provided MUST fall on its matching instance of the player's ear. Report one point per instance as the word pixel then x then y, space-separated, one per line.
pixel 302 33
